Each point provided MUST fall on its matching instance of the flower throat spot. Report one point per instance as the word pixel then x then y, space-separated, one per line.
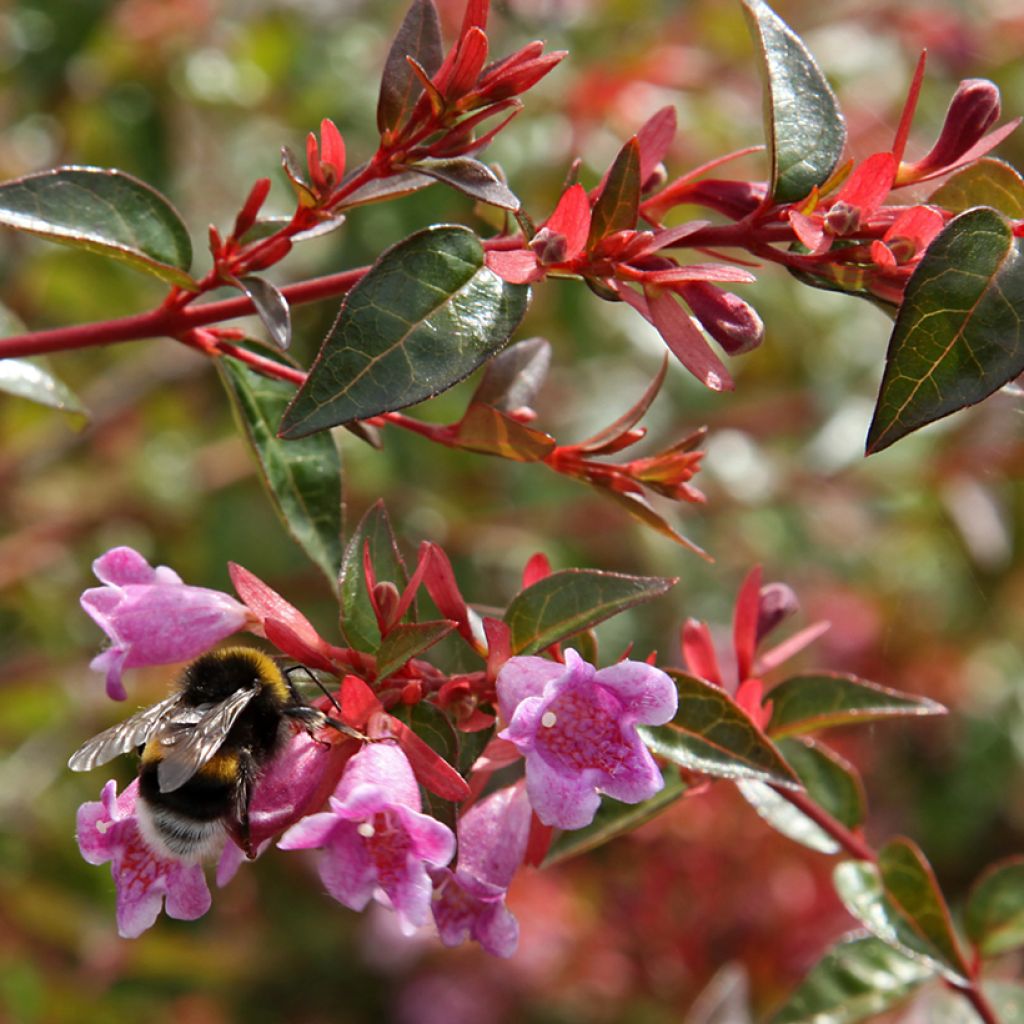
pixel 365 829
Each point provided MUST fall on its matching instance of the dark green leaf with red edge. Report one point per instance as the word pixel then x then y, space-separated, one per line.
pixel 959 335
pixel 989 182
pixel 803 124
pixel 408 640
pixel 378 189
pixel 418 37
pixel 712 735
pixel 618 205
pixel 427 314
pixel 271 308
pixel 830 782
pixel 614 818
pixel 303 477
pixel 358 623
pixel 995 908
pixel 858 978
pixel 599 442
pixel 435 729
pixel 572 600
pixel 513 378
pixel 471 178
pixel 899 901
pixel 485 429
pixel 432 770
pixel 105 211
pixel 806 703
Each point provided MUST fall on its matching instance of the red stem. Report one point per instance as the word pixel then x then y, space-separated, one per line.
pixel 974 995
pixel 849 841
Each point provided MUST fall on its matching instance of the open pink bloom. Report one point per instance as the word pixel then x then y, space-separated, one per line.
pixel 469 902
pixel 151 617
pixel 376 844
pixel 107 831
pixel 576 727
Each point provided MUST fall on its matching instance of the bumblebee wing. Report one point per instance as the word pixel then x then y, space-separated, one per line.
pixel 187 747
pixel 123 737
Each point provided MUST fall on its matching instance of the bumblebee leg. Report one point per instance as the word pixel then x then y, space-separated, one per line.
pixel 247 772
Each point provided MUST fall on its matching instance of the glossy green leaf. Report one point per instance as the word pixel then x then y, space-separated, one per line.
pixel 418 37
pixel 899 901
pixel 831 782
pixel 995 908
pixel 303 477
pixel 959 334
pixel 408 640
pixel 711 734
pixel 513 378
pixel 271 308
pixel 426 315
pixel 105 211
pixel 989 182
pixel 618 204
pixel 358 623
pixel 28 378
pixel 572 600
pixel 806 703
pixel 803 125
pixel 614 818
pixel 858 978
pixel 471 178
pixel 486 430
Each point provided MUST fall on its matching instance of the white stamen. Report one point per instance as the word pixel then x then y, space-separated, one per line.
pixel 365 829
pixel 548 719
pixel 102 826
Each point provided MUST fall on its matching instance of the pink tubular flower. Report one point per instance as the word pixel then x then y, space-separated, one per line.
pixel 107 831
pixel 576 727
pixel 376 843
pixel 151 617
pixel 469 902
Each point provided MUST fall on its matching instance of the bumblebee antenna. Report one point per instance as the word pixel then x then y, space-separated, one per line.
pixel 302 668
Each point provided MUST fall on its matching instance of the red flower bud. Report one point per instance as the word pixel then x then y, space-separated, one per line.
pixel 730 320
pixel 972 111
pixel 776 602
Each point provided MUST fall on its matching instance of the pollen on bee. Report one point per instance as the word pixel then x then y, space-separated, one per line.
pixel 548 719
pixel 365 829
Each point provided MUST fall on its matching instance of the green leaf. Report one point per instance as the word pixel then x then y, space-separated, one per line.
pixel 471 178
pixel 830 782
pixel 995 908
pixel 271 308
pixel 418 37
pixel 959 334
pixel 899 901
pixel 27 378
pixel 618 204
pixel 989 182
pixel 712 735
pixel 426 315
pixel 803 125
pixel 406 641
pixel 943 1006
pixel 105 211
pixel 614 818
pixel 806 703
pixel 858 978
pixel 486 430
pixel 358 623
pixel 303 477
pixel 572 600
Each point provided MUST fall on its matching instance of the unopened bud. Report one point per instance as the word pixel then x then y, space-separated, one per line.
pixel 730 320
pixel 776 602
pixel 386 598
pixel 549 246
pixel 973 109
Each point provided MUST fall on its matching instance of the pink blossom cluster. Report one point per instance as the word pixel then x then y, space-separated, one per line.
pixel 573 727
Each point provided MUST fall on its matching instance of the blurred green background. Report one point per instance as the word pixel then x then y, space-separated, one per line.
pixel 913 555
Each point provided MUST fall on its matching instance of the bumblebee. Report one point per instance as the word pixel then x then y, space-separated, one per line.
pixel 203 748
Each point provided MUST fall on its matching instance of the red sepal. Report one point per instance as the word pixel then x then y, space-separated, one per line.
pixel 286 640
pixel 538 843
pixel 432 770
pixel 744 627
